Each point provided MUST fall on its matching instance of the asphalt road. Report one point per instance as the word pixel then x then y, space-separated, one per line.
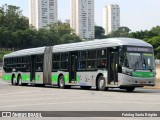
pixel 30 98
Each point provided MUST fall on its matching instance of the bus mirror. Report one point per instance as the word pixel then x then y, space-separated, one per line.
pixel 120 69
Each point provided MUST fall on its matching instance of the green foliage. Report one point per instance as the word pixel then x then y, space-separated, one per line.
pixel 15 32
pixel 121 32
pixel 2 53
pixel 155 41
pixel 99 32
pixel 156 30
pixel 11 18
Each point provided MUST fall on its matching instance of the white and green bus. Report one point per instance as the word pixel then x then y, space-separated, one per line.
pixel 123 63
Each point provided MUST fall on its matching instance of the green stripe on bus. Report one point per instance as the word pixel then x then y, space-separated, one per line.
pixel 66 79
pixel 77 79
pixel 25 77
pixel 143 74
pixel 54 78
pixel 37 77
pixel 7 77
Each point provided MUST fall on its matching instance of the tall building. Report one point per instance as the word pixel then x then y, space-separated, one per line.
pixel 111 18
pixel 42 12
pixel 82 18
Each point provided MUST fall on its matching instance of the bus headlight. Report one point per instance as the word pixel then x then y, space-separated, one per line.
pixel 127 72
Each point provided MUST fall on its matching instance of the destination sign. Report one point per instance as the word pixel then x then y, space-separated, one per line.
pixel 139 49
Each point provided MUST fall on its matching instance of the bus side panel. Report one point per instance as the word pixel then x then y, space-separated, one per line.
pixel 7 77
pixel 88 78
pixel 55 76
pixel 39 77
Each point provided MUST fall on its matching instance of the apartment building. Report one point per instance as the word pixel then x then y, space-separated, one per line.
pixel 42 13
pixel 111 18
pixel 82 18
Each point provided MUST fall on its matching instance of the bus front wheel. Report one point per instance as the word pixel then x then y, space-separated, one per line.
pixel 14 81
pixel 101 84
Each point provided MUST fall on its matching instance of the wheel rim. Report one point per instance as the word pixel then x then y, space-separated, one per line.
pixel 61 82
pixel 14 81
pixel 101 84
pixel 20 81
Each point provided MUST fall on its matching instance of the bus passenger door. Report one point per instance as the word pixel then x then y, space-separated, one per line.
pixel 72 67
pixel 112 66
pixel 33 68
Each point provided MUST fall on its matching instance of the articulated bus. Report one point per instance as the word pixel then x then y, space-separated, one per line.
pixel 123 63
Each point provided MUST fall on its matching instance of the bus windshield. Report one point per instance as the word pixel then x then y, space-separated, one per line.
pixel 141 61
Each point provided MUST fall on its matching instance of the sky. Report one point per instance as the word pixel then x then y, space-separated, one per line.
pixel 135 14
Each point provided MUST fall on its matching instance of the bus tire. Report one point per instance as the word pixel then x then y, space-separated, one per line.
pixel 14 81
pixel 101 84
pixel 61 82
pixel 86 87
pixel 130 89
pixel 19 80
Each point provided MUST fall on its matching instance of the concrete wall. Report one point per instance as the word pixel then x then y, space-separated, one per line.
pixel 158 71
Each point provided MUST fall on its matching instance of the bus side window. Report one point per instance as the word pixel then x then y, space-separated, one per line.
pixel 82 55
pixel 56 61
pixel 102 58
pixel 91 61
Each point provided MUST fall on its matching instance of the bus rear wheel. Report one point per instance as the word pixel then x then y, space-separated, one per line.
pixel 101 84
pixel 19 80
pixel 130 89
pixel 14 81
pixel 61 83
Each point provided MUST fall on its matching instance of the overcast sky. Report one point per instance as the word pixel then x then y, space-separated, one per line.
pixel 135 14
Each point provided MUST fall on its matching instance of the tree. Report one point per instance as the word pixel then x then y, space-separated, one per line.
pixel 142 34
pixel 11 18
pixel 156 30
pixel 155 41
pixel 60 28
pixel 121 32
pixel 64 33
pixel 99 32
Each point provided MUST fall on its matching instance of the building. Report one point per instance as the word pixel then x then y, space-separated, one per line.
pixel 82 18
pixel 111 18
pixel 42 12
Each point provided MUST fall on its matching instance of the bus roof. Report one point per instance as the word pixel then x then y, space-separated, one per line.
pixel 25 52
pixel 100 43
